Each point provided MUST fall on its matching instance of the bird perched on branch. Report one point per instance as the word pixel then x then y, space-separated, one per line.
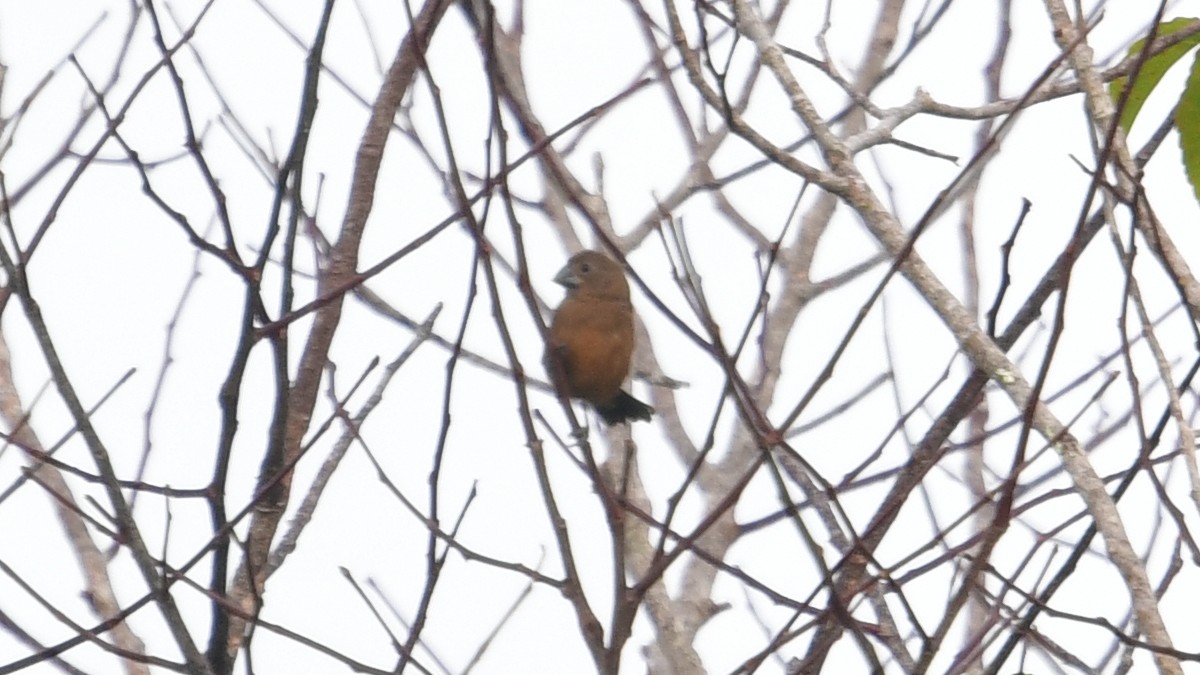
pixel 591 338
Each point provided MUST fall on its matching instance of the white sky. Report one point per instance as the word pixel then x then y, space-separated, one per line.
pixel 110 273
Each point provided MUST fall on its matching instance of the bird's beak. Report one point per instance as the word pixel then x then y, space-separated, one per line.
pixel 566 277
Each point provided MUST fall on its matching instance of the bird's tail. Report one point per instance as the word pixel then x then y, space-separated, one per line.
pixel 624 408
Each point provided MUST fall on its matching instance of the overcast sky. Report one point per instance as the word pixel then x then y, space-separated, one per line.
pixel 112 270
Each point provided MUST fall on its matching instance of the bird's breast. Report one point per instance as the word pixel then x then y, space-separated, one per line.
pixel 595 341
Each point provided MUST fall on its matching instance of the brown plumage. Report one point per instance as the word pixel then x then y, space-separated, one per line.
pixel 591 338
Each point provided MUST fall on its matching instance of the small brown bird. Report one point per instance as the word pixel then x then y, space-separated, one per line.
pixel 591 337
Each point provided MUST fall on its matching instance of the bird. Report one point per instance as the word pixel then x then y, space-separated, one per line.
pixel 590 343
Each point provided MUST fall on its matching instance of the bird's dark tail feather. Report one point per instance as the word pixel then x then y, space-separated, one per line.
pixel 624 408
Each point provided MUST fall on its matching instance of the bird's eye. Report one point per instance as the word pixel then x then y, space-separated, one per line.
pixel 585 268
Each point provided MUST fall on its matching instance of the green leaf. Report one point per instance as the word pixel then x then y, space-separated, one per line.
pixel 1152 70
pixel 1187 121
